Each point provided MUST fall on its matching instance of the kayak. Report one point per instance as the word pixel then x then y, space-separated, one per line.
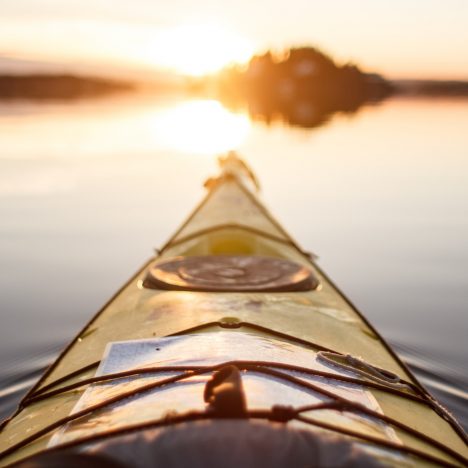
pixel 230 347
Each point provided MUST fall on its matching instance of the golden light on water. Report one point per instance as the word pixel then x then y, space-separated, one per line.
pixel 197 49
pixel 200 126
pixel 126 126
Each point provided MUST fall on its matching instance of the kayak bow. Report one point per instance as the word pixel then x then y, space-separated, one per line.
pixel 232 333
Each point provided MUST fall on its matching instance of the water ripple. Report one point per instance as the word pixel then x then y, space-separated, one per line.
pixel 445 382
pixel 19 375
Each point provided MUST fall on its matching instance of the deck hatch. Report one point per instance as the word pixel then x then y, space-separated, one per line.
pixel 230 273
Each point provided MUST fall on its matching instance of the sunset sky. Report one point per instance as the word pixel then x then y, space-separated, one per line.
pixel 399 38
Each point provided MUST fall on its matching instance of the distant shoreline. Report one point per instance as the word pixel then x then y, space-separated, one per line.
pixel 47 86
pixel 431 88
pixel 42 86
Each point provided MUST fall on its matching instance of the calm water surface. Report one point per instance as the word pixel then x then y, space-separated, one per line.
pixel 88 189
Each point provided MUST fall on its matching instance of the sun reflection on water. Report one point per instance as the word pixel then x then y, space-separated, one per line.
pixel 122 127
pixel 200 126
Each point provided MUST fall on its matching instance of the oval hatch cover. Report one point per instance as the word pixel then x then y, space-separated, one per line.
pixel 235 273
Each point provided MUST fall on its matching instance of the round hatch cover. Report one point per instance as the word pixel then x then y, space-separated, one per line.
pixel 230 273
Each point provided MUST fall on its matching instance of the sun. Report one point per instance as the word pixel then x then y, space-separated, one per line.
pixel 198 49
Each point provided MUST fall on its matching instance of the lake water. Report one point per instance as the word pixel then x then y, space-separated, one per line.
pixel 88 189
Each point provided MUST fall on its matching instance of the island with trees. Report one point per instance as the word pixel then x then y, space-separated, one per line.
pixel 301 86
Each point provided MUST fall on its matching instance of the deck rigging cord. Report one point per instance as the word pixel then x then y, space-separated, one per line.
pixel 277 413
pixel 421 395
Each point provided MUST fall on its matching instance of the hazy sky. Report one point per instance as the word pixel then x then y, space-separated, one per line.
pixel 400 38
